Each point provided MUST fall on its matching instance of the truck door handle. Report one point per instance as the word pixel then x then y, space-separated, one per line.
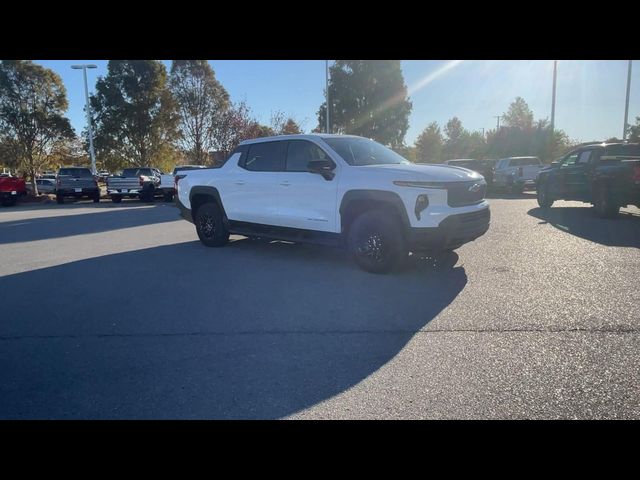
pixel 239 183
pixel 285 184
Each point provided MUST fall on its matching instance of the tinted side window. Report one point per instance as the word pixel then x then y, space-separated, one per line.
pixel 300 153
pixel 266 157
pixel 570 160
pixel 623 150
pixel 584 157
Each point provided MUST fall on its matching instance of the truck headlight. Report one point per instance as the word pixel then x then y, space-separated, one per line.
pixel 422 202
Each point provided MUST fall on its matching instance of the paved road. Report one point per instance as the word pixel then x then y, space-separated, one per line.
pixel 118 312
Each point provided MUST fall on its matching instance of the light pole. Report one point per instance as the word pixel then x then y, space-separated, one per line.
pixel 88 109
pixel 553 96
pixel 626 105
pixel 327 87
pixel 498 117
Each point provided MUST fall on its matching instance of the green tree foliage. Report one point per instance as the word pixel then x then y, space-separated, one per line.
pixel 634 131
pixel 284 125
pixel 519 115
pixel 429 145
pixel 368 98
pixel 33 127
pixel 461 143
pixel 135 114
pixel 236 125
pixel 201 100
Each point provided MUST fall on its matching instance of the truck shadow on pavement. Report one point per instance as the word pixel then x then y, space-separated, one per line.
pixel 45 228
pixel 623 231
pixel 254 330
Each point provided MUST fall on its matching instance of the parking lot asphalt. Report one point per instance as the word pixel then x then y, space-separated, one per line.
pixel 117 311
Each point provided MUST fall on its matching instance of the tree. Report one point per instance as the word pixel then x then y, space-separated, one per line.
pixel 283 125
pixel 237 124
pixel 135 113
pixel 200 99
pixel 519 115
pixel 634 131
pixel 32 122
pixel 368 98
pixel 429 144
pixel 454 146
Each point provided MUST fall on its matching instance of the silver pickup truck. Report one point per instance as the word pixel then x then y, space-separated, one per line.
pixel 137 182
pixel 76 182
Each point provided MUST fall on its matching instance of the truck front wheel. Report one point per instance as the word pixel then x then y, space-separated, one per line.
pixel 542 193
pixel 116 198
pixel 210 225
pixel 376 242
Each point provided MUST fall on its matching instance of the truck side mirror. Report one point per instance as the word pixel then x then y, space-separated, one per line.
pixel 322 167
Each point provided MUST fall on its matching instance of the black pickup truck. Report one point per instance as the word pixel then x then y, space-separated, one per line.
pixel 606 175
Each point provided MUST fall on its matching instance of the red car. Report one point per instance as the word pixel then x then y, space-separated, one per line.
pixel 10 189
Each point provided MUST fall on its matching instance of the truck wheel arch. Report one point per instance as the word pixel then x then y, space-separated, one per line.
pixel 199 195
pixel 356 202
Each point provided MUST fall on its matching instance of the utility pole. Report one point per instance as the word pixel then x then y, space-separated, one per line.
pixel 626 105
pixel 88 111
pixel 553 97
pixel 327 87
pixel 498 117
pixel 482 132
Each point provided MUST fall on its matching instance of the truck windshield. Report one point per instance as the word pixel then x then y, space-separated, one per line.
pixel 76 172
pixel 362 151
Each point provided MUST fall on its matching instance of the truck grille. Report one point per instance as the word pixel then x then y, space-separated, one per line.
pixel 460 195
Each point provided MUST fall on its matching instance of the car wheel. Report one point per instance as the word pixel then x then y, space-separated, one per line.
pixel 604 204
pixel 168 197
pixel 210 225
pixel 542 194
pixel 9 201
pixel 60 199
pixel 116 198
pixel 96 199
pixel 376 242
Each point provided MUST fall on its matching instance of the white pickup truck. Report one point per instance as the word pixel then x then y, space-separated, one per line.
pixel 337 190
pixel 167 181
pixel 516 174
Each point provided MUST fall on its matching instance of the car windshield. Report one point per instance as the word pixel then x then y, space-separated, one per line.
pixel 76 172
pixel 362 151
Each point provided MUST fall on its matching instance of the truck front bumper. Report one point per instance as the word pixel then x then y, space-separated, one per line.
pixel 453 232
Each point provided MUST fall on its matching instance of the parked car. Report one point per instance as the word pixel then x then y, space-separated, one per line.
pixel 45 185
pixel 137 182
pixel 11 188
pixel 77 182
pixel 103 175
pixel 483 167
pixel 606 175
pixel 336 190
pixel 517 174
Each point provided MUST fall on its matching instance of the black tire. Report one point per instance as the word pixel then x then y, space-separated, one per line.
pixel 60 199
pixel 376 243
pixel 210 225
pixel 542 194
pixel 168 197
pixel 604 203
pixel 96 198
pixel 116 198
pixel 9 201
pixel 147 195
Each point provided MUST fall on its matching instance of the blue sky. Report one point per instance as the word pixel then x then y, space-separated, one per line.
pixel 589 103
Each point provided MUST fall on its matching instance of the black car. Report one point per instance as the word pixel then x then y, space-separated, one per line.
pixel 606 175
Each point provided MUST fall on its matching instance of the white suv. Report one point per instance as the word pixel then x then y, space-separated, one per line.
pixel 339 190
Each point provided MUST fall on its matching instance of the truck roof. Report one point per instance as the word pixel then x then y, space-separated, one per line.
pixel 306 136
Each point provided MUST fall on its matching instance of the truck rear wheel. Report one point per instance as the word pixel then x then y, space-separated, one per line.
pixel 60 199
pixel 116 198
pixel 9 201
pixel 604 203
pixel 376 242
pixel 210 225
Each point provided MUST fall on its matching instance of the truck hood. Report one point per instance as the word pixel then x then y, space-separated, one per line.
pixel 431 173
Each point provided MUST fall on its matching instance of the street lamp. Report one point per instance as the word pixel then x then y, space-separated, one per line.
pixel 327 87
pixel 88 109
pixel 626 104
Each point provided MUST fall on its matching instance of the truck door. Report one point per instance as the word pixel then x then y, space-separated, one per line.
pixel 306 200
pixel 576 176
pixel 563 186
